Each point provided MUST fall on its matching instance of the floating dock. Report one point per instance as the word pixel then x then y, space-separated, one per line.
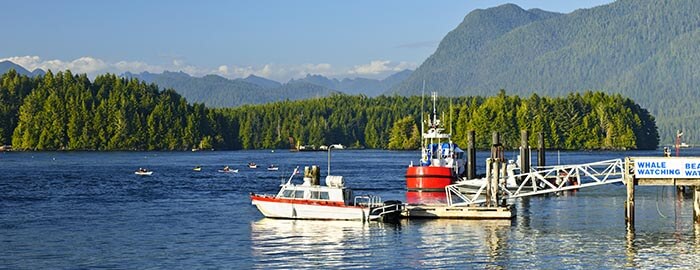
pixel 457 212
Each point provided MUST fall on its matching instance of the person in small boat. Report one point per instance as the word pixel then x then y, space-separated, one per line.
pixel 226 169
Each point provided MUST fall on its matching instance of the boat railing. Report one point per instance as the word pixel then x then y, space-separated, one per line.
pixel 387 209
pixel 368 201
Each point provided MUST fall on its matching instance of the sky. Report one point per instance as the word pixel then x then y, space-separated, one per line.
pixel 276 39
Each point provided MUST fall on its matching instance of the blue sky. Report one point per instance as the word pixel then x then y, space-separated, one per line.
pixel 275 39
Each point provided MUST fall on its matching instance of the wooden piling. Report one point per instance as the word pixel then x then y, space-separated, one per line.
pixel 629 203
pixel 471 155
pixel 696 204
pixel 489 176
pixel 495 145
pixel 540 151
pixel 524 151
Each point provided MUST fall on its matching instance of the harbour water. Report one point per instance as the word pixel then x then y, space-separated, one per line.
pixel 88 210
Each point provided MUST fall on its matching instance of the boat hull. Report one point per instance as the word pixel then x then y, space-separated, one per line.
pixel 305 209
pixel 429 178
pixel 426 197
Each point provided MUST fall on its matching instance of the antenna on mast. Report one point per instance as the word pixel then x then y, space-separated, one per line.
pixel 450 115
pixel 422 122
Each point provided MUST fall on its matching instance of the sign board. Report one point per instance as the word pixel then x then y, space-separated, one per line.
pixel 666 167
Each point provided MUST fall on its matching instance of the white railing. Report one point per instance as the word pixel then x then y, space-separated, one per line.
pixel 549 180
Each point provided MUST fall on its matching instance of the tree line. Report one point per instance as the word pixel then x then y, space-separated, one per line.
pixel 64 111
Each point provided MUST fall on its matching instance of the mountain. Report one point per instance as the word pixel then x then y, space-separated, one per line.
pixel 355 86
pixel 5 66
pixel 642 49
pixel 262 82
pixel 217 91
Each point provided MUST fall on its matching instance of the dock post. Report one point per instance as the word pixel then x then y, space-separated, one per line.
pixel 696 204
pixel 629 203
pixel 495 144
pixel 494 184
pixel 540 151
pixel 489 175
pixel 524 151
pixel 471 155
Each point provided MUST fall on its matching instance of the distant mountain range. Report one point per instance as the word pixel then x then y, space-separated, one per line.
pixel 217 91
pixel 368 87
pixel 643 49
pixel 6 66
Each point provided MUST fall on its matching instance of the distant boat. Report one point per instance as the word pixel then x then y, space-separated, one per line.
pixel 228 170
pixel 197 169
pixel 272 167
pixel 252 165
pixel 143 172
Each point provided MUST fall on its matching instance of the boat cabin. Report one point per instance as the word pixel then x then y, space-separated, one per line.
pixel 333 191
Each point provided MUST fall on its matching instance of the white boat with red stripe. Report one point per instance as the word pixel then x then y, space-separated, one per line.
pixel 332 201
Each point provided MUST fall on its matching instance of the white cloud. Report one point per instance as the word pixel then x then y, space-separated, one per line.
pixel 377 67
pixel 95 66
pixel 223 70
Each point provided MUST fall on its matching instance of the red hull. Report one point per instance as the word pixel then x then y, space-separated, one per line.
pixel 421 178
pixel 426 197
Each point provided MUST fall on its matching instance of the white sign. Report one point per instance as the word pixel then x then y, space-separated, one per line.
pixel 669 167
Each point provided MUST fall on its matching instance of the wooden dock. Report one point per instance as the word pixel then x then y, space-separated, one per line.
pixel 458 212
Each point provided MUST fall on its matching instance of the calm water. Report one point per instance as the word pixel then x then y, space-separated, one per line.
pixel 88 210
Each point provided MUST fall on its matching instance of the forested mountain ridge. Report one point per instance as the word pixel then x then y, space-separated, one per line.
pixel 220 92
pixel 63 111
pixel 643 49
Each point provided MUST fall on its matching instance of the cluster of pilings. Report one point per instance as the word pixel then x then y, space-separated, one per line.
pixel 496 165
pixel 497 152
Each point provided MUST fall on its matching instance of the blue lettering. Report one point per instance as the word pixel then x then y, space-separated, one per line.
pixel 652 165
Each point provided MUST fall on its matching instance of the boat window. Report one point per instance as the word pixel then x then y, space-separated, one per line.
pixel 324 195
pixel 288 194
pixel 299 194
pixel 314 195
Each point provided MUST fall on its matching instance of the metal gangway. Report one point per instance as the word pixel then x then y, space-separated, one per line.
pixel 550 179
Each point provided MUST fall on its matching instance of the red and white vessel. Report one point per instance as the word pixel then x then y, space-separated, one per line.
pixel 442 161
pixel 332 201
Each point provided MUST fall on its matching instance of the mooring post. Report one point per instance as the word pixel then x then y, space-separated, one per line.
pixel 540 151
pixel 471 155
pixel 629 203
pixel 496 179
pixel 489 175
pixel 495 144
pixel 504 182
pixel 696 204
pixel 524 151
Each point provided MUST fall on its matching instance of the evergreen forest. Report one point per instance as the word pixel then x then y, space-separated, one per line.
pixel 63 111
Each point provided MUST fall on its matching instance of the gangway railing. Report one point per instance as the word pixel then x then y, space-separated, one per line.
pixel 552 179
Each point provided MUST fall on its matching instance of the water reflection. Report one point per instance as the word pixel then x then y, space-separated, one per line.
pixel 450 242
pixel 310 243
pixel 410 244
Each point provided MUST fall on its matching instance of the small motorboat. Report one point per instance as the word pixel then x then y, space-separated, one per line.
pixel 332 201
pixel 197 169
pixel 143 172
pixel 272 167
pixel 228 170
pixel 252 165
